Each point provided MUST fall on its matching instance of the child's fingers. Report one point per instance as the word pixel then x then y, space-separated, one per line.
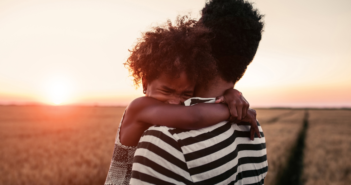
pixel 233 113
pixel 244 111
pixel 255 129
pixel 246 106
pixel 258 132
pixel 239 108
pixel 219 99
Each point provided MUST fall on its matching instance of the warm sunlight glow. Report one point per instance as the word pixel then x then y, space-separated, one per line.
pixel 58 93
pixel 77 57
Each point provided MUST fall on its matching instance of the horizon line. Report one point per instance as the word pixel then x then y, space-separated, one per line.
pixel 125 105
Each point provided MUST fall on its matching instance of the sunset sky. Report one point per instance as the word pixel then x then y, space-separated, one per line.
pixel 72 52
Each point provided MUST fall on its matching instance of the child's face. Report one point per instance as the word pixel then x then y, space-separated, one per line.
pixel 169 89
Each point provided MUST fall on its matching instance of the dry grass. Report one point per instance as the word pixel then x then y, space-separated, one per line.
pixel 272 115
pixel 328 148
pixel 73 145
pixel 280 136
pixel 56 145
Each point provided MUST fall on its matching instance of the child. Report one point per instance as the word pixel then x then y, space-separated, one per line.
pixel 168 62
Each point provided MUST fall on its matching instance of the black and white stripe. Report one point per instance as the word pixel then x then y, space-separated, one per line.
pixel 220 154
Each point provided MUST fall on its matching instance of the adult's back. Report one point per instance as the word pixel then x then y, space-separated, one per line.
pixel 219 154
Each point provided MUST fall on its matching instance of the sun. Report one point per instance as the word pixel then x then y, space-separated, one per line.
pixel 58 93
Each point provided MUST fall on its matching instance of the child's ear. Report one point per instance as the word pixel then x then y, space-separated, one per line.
pixel 144 82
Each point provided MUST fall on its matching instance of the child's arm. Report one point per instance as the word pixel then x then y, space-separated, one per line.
pixel 239 110
pixel 237 104
pixel 151 111
pixel 250 119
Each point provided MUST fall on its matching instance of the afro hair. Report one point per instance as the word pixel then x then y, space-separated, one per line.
pixel 237 28
pixel 173 49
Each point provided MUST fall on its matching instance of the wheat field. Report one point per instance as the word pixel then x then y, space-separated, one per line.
pixel 328 148
pixel 73 145
pixel 281 129
pixel 56 145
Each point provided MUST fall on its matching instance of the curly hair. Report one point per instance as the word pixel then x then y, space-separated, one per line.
pixel 237 28
pixel 173 49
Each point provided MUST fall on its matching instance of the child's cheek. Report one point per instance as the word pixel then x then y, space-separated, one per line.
pixel 161 97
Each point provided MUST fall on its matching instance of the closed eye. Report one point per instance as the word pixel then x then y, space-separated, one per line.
pixel 188 94
pixel 165 92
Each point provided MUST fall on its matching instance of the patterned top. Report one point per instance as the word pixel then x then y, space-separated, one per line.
pixel 121 163
pixel 219 154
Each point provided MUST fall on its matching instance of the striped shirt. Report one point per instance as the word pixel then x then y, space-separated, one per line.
pixel 219 154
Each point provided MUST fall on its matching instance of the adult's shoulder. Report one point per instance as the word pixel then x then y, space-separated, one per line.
pixel 159 132
pixel 159 137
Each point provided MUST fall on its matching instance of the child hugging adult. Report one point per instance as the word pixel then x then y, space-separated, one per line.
pixel 221 153
pixel 169 62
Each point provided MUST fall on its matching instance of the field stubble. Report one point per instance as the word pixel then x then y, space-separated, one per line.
pixel 74 145
pixel 281 129
pixel 56 145
pixel 328 148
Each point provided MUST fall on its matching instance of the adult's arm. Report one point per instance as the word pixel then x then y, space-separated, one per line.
pixel 159 160
pixel 120 165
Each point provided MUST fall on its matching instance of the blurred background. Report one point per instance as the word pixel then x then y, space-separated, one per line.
pixel 63 86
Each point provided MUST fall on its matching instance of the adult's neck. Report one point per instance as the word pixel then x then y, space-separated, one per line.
pixel 215 88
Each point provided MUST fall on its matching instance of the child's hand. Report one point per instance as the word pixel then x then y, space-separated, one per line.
pixel 239 110
pixel 250 119
pixel 237 104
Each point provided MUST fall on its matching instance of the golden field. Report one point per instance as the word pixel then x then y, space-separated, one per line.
pixel 73 145
pixel 328 148
pixel 56 145
pixel 281 129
